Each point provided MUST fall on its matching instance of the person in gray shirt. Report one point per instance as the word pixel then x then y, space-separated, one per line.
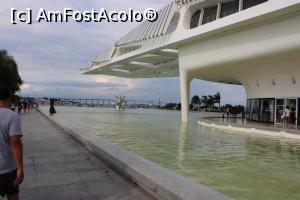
pixel 11 148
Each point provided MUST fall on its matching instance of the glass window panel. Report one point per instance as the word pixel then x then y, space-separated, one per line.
pixel 279 111
pixel 298 118
pixel 254 114
pixel 248 105
pixel 248 109
pixel 279 114
pixel 279 102
pixel 292 103
pixel 267 110
pixel 195 19
pixel 229 8
pixel 251 3
pixel 210 14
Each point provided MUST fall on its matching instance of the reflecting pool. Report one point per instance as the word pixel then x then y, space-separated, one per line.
pixel 242 166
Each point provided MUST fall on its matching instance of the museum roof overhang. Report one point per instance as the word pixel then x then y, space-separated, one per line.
pixel 154 63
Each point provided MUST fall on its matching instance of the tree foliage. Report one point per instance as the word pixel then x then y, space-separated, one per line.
pixel 205 102
pixel 170 106
pixel 195 100
pixel 9 75
pixel 233 109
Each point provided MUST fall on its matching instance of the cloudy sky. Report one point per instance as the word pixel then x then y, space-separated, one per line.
pixel 50 55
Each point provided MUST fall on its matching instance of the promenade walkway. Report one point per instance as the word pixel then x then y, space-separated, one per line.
pixel 58 168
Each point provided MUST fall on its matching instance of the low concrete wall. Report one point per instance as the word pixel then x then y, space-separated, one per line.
pixel 156 180
pixel 249 130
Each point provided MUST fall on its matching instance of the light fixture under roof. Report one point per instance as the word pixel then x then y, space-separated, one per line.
pixel 121 70
pixel 175 51
pixel 142 64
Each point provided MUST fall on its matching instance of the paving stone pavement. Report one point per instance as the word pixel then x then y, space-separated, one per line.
pixel 58 168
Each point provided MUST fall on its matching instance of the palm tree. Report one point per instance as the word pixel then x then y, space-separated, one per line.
pixel 195 101
pixel 217 99
pixel 203 101
pixel 9 75
pixel 210 101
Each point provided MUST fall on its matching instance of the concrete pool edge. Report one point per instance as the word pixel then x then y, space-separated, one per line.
pixel 159 182
pixel 253 130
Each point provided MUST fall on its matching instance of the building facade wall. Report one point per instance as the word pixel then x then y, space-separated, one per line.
pixel 264 58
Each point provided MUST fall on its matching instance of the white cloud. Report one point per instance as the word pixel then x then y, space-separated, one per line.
pixel 50 55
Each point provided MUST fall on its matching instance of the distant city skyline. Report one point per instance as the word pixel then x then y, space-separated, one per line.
pixel 49 56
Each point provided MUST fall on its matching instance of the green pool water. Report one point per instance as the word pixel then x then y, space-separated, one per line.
pixel 242 166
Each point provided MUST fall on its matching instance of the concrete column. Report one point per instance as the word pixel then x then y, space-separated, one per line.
pixel 219 10
pixel 201 17
pixel 185 94
pixel 241 5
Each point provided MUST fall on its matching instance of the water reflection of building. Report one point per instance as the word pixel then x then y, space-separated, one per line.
pixel 182 144
pixel 281 149
pixel 254 43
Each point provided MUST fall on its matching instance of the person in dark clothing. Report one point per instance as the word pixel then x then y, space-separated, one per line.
pixel 25 104
pixel 293 116
pixel 20 107
pixel 52 110
pixel 228 112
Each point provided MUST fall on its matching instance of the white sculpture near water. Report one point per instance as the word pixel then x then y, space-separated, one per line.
pixel 120 103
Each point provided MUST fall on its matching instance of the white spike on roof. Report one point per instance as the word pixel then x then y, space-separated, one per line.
pixel 149 29
pixel 179 2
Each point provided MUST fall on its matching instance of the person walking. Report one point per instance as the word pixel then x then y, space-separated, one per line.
pixel 52 110
pixel 228 112
pixel 11 154
pixel 25 104
pixel 20 107
pixel 32 105
pixel 29 105
pixel 293 118
pixel 286 115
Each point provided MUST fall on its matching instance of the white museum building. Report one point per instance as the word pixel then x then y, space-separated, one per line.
pixel 254 43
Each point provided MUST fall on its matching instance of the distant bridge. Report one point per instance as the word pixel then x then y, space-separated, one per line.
pixel 94 102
